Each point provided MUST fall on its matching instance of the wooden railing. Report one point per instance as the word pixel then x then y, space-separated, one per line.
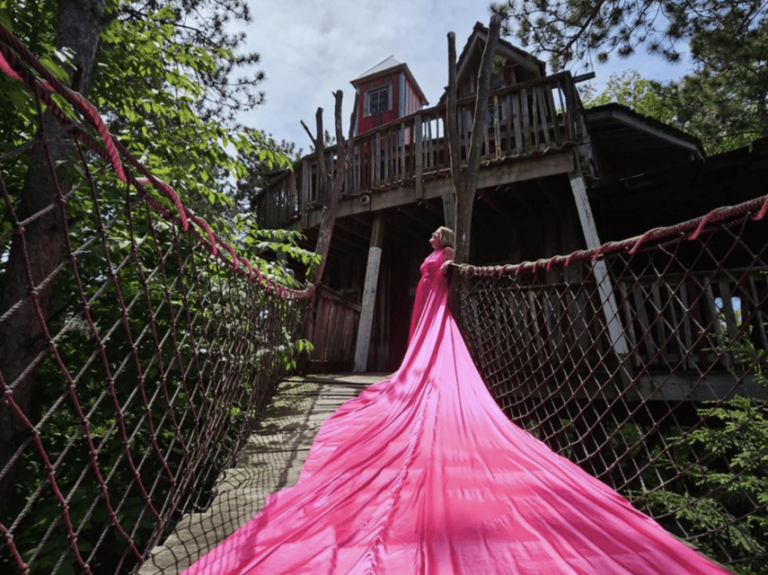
pixel 523 120
pixel 695 320
pixel 676 326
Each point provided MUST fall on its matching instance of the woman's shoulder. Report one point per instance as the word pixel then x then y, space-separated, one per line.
pixel 437 256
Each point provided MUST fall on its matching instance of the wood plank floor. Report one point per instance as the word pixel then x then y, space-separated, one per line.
pixel 270 460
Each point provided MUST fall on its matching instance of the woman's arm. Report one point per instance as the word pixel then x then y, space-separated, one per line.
pixel 448 259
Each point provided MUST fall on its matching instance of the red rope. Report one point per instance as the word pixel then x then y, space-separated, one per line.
pixel 111 149
pixel 758 208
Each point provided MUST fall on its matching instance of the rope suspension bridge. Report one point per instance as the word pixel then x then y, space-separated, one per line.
pixel 138 351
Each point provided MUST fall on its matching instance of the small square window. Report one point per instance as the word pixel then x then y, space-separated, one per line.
pixel 377 101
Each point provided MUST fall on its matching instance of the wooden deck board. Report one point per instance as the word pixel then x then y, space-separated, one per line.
pixel 270 460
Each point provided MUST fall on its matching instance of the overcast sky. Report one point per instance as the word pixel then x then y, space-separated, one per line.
pixel 311 48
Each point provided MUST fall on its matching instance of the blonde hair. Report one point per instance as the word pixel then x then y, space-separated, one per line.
pixel 447 239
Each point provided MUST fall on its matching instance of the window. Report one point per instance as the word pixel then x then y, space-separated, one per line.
pixel 377 101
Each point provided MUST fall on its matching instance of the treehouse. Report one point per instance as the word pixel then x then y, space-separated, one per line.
pixel 554 178
pixel 387 92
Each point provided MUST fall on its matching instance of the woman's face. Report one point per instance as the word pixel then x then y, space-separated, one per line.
pixel 434 241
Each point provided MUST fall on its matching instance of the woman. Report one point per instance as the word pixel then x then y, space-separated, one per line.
pixel 423 473
pixel 442 241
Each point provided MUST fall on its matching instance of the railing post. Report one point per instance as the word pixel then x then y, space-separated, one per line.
pixel 525 122
pixel 418 159
pixel 558 140
pixel 375 159
pixel 605 288
pixel 303 192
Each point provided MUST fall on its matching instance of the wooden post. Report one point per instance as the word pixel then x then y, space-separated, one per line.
pixel 600 270
pixel 465 179
pixel 331 185
pixel 304 193
pixel 369 296
pixel 418 163
pixel 449 210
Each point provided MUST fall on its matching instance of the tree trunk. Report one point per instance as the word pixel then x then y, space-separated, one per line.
pixel 37 247
pixel 344 148
pixel 465 180
pixel 325 233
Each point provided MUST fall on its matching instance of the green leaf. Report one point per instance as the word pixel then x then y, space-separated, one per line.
pixel 5 19
pixel 54 68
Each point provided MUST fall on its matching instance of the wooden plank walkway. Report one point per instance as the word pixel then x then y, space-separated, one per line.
pixel 270 460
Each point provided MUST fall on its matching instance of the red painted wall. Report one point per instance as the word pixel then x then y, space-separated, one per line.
pixel 367 123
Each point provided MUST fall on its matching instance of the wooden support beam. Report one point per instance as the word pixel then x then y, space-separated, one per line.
pixel 449 210
pixel 552 163
pixel 369 296
pixel 599 269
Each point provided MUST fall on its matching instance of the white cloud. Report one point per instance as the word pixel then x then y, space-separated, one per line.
pixel 310 49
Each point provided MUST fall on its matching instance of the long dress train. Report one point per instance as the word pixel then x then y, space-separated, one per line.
pixel 424 474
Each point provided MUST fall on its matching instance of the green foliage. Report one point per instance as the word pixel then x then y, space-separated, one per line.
pixel 260 167
pixel 709 479
pixel 632 90
pixel 163 83
pixel 573 30
pixel 712 481
pixel 199 340
pixel 271 250
pixel 689 105
pixel 723 101
pixel 170 102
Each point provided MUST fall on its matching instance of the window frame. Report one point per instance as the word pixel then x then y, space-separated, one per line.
pixel 385 89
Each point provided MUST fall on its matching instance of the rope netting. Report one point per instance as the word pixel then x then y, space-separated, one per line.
pixel 137 349
pixel 645 363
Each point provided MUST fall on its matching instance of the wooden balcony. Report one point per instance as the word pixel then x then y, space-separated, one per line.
pixel 532 129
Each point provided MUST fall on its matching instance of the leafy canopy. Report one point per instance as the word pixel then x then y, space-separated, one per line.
pixel 171 80
pixel 723 100
pixel 578 30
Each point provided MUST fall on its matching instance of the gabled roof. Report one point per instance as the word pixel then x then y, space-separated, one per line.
pixel 382 66
pixel 477 40
pixel 479 36
pixel 390 64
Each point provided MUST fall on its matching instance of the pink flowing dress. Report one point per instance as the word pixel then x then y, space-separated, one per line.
pixel 424 474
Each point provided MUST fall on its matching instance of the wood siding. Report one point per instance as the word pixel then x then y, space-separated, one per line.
pixel 334 334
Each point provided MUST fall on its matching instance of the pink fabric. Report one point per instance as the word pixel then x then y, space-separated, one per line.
pixel 423 473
